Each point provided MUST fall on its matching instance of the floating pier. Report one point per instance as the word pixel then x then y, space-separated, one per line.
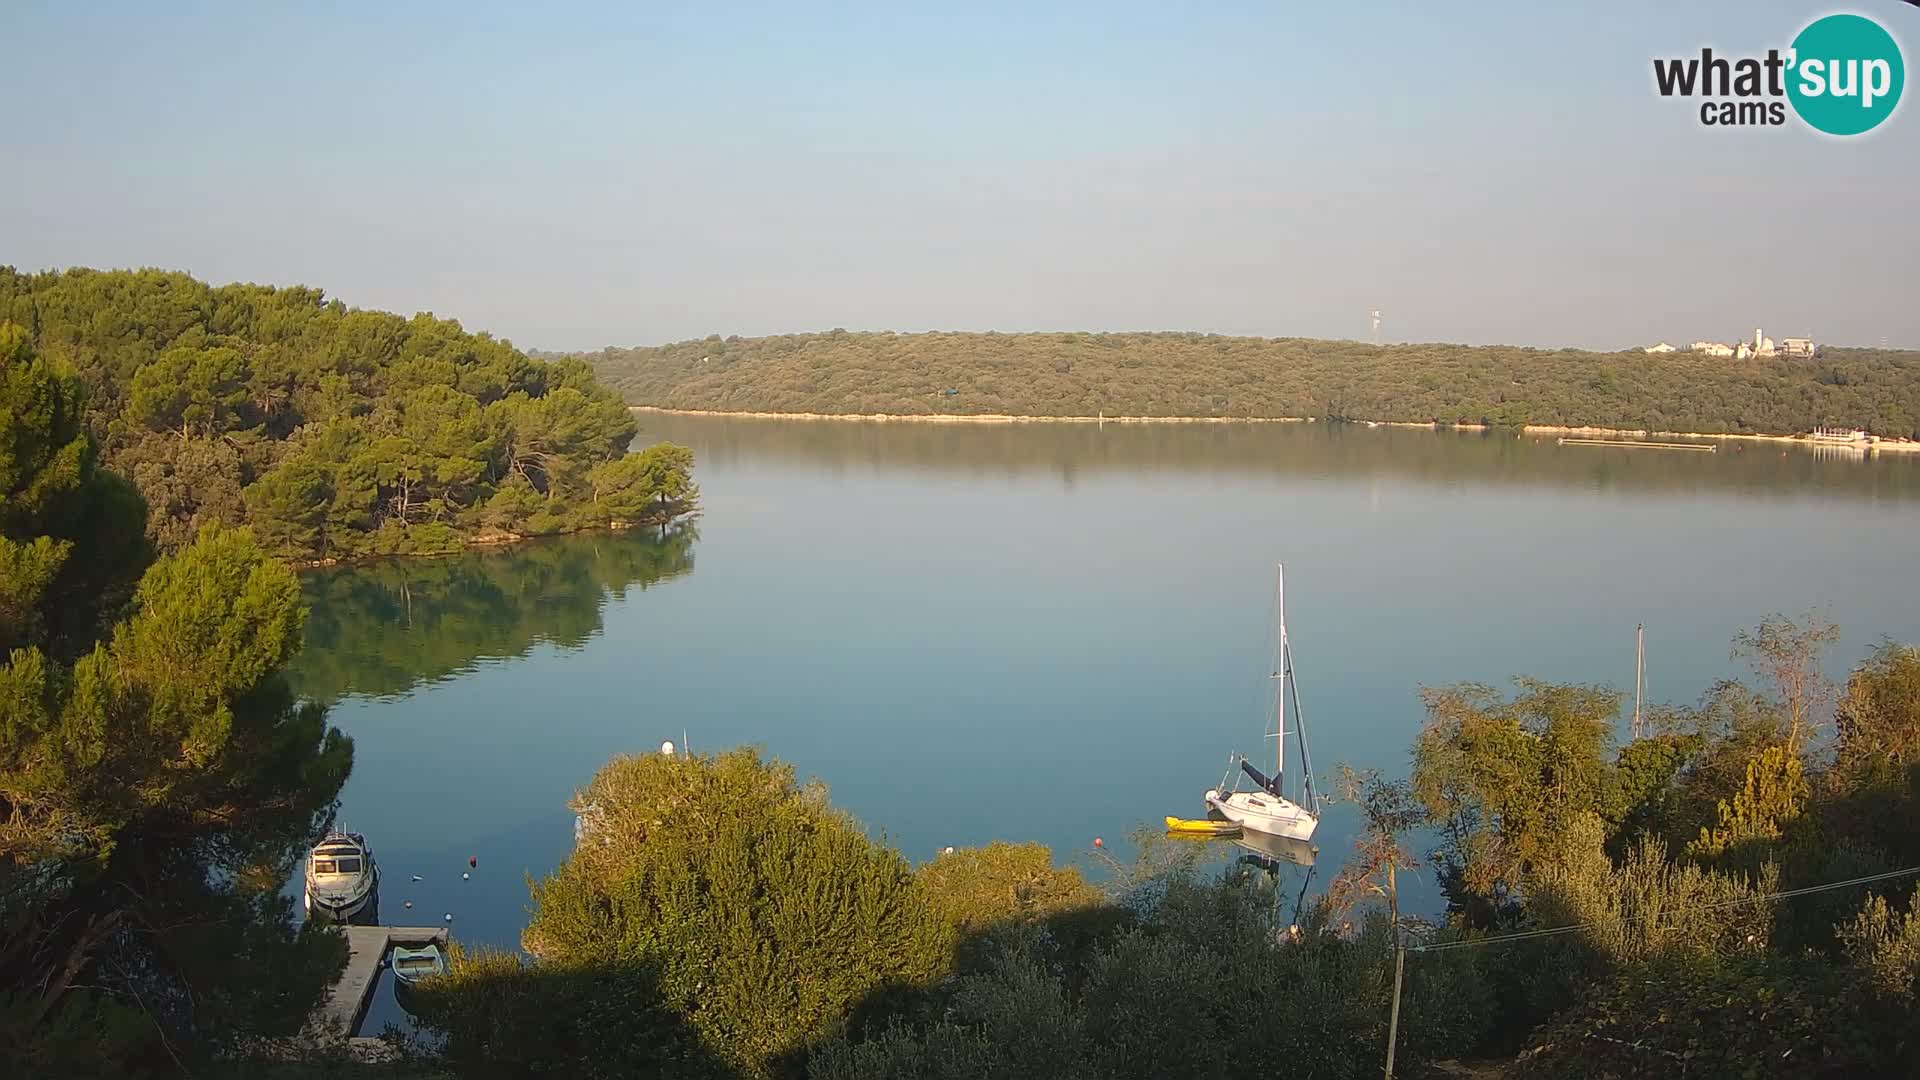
pixel 367 948
pixel 1641 444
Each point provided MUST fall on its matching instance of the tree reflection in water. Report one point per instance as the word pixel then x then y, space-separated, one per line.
pixel 383 628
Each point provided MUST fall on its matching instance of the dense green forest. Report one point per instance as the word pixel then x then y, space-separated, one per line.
pixel 159 781
pixel 335 432
pixel 1209 375
pixel 1730 892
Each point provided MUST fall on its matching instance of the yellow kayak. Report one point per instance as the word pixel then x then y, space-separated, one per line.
pixel 1201 826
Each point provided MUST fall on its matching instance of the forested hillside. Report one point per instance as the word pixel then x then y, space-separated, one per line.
pixel 1209 375
pixel 335 432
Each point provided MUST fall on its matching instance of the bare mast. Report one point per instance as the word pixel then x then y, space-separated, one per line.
pixel 1639 673
pixel 1289 688
pixel 1308 800
pixel 1282 664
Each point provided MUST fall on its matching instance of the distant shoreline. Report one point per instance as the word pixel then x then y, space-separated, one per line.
pixel 1886 445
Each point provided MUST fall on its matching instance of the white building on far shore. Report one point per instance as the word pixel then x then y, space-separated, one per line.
pixel 1761 347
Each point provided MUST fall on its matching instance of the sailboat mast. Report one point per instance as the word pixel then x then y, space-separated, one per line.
pixel 1639 672
pixel 1307 798
pixel 1284 661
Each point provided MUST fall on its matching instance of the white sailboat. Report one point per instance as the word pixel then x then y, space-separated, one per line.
pixel 1266 809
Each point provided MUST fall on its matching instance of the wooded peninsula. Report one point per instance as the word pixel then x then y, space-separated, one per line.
pixel 1209 375
pixel 335 433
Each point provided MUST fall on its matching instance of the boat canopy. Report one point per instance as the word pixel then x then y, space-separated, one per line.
pixel 1270 786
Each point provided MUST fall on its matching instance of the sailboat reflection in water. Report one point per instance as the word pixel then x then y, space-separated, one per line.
pixel 1263 851
pixel 1270 852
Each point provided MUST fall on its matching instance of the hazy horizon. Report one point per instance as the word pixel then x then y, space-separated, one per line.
pixel 611 176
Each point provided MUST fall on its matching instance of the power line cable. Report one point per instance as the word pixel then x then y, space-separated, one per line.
pixel 1552 931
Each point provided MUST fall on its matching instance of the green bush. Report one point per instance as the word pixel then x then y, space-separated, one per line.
pixel 501 1016
pixel 1752 1014
pixel 1201 985
pixel 984 893
pixel 770 916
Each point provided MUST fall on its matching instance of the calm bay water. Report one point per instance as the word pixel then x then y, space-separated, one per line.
pixel 1056 632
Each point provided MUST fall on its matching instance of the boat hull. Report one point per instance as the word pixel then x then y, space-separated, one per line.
pixel 336 908
pixel 1263 813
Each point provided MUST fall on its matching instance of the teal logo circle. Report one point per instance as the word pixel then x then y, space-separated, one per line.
pixel 1847 74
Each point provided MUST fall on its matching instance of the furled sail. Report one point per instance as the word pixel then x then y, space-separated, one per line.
pixel 1270 786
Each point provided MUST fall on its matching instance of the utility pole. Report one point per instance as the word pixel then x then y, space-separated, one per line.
pixel 1639 673
pixel 1399 965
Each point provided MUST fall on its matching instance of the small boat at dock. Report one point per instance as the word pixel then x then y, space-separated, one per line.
pixel 411 963
pixel 342 878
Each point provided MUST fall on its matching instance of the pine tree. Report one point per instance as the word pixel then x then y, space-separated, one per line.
pixel 157 779
pixel 1774 795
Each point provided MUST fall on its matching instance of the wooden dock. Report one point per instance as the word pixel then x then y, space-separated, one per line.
pixel 366 950
pixel 1641 444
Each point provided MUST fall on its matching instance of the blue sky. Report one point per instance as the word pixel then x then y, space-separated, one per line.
pixel 572 176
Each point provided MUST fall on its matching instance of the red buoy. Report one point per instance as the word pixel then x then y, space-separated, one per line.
pixel 1096 841
pixel 473 860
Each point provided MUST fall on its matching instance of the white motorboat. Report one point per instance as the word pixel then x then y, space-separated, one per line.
pixel 1267 809
pixel 342 878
